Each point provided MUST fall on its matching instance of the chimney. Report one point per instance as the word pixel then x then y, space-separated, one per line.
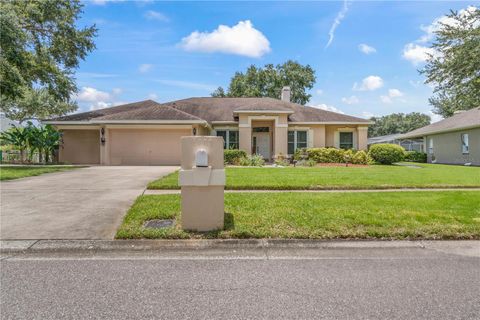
pixel 285 94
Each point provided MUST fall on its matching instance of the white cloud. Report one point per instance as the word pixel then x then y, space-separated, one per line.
pixel 338 19
pixel 97 99
pixel 319 92
pixel 435 117
pixel 350 100
pixel 153 96
pixel 417 54
pixel 241 39
pixel 156 15
pixel 89 94
pixel 367 114
pixel 369 83
pixel 392 93
pixel 323 106
pixel 365 48
pixel 385 99
pixel 145 67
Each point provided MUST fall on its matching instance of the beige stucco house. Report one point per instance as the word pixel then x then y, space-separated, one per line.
pixel 454 140
pixel 148 133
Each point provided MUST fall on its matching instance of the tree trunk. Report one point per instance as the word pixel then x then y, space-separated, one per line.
pixel 22 151
pixel 40 156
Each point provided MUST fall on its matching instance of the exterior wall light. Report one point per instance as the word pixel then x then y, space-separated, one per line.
pixel 102 136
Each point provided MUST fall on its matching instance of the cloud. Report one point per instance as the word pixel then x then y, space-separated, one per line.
pixel 435 117
pixel 323 106
pixel 417 54
pixel 319 92
pixel 367 114
pixel 241 39
pixel 145 67
pixel 369 83
pixel 97 99
pixel 156 15
pixel 152 96
pixel 338 19
pixel 392 93
pixel 188 85
pixel 350 100
pixel 365 48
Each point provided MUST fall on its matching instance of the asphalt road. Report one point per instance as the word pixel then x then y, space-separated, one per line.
pixel 390 283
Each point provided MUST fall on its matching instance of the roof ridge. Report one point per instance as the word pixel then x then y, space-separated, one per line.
pixel 181 111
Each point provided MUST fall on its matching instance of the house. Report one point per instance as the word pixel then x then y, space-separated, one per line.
pixel 6 123
pixel 454 140
pixel 407 144
pixel 148 133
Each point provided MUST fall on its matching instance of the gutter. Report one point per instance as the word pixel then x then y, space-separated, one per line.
pixel 428 133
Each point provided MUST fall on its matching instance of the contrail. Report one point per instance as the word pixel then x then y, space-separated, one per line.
pixel 337 21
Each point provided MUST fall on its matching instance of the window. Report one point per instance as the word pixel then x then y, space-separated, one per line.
pixel 230 138
pixel 346 140
pixel 465 146
pixel 430 146
pixel 296 140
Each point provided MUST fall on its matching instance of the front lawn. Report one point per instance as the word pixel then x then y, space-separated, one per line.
pixel 370 177
pixel 400 215
pixel 15 172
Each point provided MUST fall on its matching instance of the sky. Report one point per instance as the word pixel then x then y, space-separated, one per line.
pixel 366 54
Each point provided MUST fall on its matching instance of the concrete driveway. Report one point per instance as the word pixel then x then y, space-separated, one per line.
pixel 87 203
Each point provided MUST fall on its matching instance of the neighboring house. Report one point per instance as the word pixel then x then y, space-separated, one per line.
pixel 148 133
pixel 6 123
pixel 407 144
pixel 454 140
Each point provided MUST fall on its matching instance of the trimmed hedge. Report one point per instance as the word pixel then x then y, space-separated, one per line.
pixel 332 155
pixel 415 156
pixel 233 156
pixel 386 153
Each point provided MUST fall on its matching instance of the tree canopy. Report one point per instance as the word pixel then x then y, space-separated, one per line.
pixel 454 69
pixel 269 80
pixel 397 123
pixel 41 47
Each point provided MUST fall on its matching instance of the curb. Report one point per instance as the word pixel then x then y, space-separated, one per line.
pixel 11 246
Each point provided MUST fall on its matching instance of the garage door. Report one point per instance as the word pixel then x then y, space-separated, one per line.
pixel 80 147
pixel 146 147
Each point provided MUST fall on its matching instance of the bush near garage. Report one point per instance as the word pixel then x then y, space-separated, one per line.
pixel 233 156
pixel 415 156
pixel 386 153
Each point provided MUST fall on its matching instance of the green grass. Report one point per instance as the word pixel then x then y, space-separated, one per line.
pixel 16 172
pixel 374 215
pixel 371 177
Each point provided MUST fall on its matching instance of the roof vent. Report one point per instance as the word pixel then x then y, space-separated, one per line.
pixel 174 105
pixel 285 94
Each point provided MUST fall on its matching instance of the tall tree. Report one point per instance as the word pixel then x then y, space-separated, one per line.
pixel 454 69
pixel 269 81
pixel 397 123
pixel 41 46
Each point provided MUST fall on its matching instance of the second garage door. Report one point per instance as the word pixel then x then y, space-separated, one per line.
pixel 146 146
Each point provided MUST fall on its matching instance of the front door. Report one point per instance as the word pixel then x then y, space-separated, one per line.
pixel 261 144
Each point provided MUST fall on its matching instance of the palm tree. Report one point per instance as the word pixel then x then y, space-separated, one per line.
pixel 18 137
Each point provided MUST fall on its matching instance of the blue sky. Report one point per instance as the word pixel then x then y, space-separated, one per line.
pixel 366 54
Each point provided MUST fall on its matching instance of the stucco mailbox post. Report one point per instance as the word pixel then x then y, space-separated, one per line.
pixel 202 180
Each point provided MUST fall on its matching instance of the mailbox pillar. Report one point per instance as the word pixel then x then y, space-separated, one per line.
pixel 202 180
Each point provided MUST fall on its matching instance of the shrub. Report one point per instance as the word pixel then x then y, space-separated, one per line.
pixel 326 155
pixel 306 163
pixel 386 153
pixel 281 160
pixel 255 160
pixel 361 157
pixel 233 156
pixel 300 154
pixel 415 156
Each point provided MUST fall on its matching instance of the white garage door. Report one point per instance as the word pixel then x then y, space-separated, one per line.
pixel 146 146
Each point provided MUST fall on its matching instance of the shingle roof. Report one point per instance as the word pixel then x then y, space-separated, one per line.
pixel 466 119
pixel 209 109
